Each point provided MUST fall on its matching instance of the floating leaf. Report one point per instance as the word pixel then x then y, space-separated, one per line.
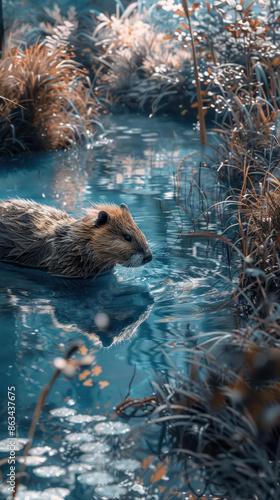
pixel 63 412
pixel 96 371
pixel 180 13
pixel 95 478
pixel 88 383
pixel 112 428
pixel 103 384
pixel 84 375
pixel 83 350
pixel 49 471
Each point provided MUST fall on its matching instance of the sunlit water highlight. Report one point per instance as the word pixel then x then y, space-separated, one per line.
pixel 153 311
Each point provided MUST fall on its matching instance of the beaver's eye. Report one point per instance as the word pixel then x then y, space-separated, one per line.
pixel 127 237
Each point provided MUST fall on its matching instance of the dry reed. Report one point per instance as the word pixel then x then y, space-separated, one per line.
pixel 45 100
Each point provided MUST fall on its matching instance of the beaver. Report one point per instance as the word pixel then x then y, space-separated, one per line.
pixel 36 235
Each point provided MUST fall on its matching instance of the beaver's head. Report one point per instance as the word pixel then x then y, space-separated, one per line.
pixel 115 237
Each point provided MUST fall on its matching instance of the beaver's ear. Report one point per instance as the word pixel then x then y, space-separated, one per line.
pixel 102 219
pixel 124 206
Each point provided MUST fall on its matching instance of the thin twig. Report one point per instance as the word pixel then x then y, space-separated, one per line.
pixel 40 403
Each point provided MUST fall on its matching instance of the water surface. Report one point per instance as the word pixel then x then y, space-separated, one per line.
pixel 153 311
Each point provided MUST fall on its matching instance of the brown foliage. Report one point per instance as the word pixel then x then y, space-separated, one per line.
pixel 263 215
pixel 45 103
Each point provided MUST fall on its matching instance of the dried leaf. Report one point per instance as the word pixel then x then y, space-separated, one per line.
pixel 96 371
pixel 147 462
pixel 160 472
pixel 88 383
pixel 83 350
pixel 180 13
pixel 103 384
pixel 84 375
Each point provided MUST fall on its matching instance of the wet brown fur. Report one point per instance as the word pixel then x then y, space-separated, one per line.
pixel 37 235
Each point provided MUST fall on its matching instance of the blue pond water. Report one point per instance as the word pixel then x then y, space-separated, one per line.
pixel 153 311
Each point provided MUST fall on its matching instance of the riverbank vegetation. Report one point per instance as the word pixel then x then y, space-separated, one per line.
pixel 217 421
pixel 220 416
pixel 45 100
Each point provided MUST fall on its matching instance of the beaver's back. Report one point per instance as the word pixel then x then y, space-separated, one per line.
pixel 34 215
pixel 25 227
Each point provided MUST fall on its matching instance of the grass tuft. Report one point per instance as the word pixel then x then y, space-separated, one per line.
pixel 45 101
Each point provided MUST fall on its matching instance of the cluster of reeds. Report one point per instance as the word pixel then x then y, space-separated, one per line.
pixel 140 65
pixel 246 94
pixel 45 102
pixel 239 44
pixel 219 420
pixel 221 415
pixel 225 422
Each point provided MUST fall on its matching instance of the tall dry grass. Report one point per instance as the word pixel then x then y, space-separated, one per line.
pixel 219 419
pixel 241 84
pixel 45 100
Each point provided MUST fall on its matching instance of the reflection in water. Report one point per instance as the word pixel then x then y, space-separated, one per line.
pixel 143 315
pixel 75 305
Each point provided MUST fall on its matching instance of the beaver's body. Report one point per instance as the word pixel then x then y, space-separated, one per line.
pixel 40 236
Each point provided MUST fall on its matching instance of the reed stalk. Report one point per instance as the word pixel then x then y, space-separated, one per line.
pixel 201 119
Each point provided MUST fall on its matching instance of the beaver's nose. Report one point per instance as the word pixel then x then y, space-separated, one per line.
pixel 148 257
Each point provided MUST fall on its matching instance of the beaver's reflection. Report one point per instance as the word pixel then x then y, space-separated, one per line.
pixel 106 316
pixel 106 310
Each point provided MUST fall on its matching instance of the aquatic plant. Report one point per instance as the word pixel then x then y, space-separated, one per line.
pixel 241 83
pixel 247 158
pixel 221 415
pixel 219 419
pixel 259 228
pixel 197 80
pixel 46 101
